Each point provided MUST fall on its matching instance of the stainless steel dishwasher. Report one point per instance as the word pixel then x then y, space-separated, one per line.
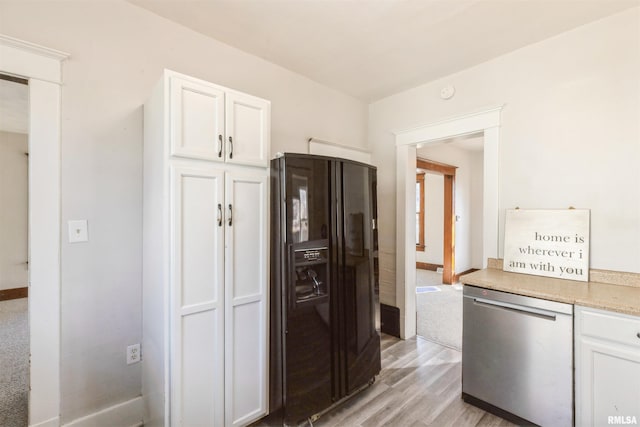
pixel 517 356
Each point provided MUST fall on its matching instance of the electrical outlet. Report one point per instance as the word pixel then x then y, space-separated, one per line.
pixel 133 354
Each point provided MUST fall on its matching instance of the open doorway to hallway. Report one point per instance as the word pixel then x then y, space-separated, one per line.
pixel 451 226
pixel 14 273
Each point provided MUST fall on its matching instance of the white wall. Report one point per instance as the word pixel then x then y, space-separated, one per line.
pixel 117 53
pixel 433 219
pixel 13 210
pixel 570 133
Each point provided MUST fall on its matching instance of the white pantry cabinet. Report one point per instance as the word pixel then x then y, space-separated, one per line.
pixel 214 123
pixel 204 270
pixel 607 377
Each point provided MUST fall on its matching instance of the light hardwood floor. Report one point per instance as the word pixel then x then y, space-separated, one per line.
pixel 419 385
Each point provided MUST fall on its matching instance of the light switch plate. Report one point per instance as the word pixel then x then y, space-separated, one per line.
pixel 78 231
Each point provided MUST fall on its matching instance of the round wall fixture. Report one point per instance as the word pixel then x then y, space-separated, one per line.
pixel 447 92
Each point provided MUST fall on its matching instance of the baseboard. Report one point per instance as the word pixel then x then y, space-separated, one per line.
pixel 390 320
pixel 126 414
pixel 456 277
pixel 15 293
pixel 428 266
pixel 52 422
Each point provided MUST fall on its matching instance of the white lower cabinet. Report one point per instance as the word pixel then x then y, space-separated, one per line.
pixel 205 272
pixel 607 366
pixel 197 293
pixel 219 257
pixel 246 371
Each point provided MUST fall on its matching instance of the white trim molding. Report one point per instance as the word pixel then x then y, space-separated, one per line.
pixel 407 140
pixel 450 127
pixel 43 69
pixel 126 414
pixel 30 60
pixel 53 422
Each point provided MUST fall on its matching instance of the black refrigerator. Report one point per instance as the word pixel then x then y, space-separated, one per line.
pixel 324 305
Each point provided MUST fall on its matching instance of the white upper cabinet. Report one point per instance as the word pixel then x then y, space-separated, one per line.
pixel 247 127
pixel 197 120
pixel 210 122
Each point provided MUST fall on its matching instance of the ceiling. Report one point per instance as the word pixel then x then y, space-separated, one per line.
pixel 374 48
pixel 366 48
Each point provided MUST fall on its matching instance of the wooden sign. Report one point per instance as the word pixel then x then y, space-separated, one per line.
pixel 551 243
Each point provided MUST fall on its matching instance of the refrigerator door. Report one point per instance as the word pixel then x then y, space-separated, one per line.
pixel 356 289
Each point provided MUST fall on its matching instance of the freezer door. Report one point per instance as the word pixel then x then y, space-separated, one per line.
pixel 307 336
pixel 307 199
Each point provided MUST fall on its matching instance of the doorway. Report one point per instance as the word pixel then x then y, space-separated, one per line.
pixel 453 216
pixel 42 68
pixel 438 229
pixel 487 122
pixel 14 279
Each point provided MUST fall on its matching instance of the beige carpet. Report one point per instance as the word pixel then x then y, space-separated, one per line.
pixel 14 362
pixel 439 312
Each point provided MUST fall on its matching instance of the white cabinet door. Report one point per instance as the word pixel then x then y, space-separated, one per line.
pixel 246 297
pixel 197 295
pixel 610 383
pixel 607 368
pixel 248 130
pixel 197 120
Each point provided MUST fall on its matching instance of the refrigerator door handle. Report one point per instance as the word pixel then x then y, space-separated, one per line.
pixel 532 311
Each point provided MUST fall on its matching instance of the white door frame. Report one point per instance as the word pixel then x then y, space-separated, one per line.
pixel 43 69
pixel 487 121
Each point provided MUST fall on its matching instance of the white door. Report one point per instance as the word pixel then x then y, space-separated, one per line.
pixel 246 297
pixel 197 292
pixel 609 381
pixel 197 120
pixel 248 129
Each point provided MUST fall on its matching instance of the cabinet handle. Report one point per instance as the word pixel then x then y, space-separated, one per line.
pixel 230 147
pixel 638 334
pixel 219 145
pixel 219 215
pixel 230 215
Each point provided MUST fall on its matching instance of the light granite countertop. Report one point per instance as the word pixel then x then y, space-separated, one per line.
pixel 620 298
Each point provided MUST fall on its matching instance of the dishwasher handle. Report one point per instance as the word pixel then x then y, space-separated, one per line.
pixel 531 311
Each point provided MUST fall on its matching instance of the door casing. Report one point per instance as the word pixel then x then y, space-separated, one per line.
pixel 449 240
pixel 42 67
